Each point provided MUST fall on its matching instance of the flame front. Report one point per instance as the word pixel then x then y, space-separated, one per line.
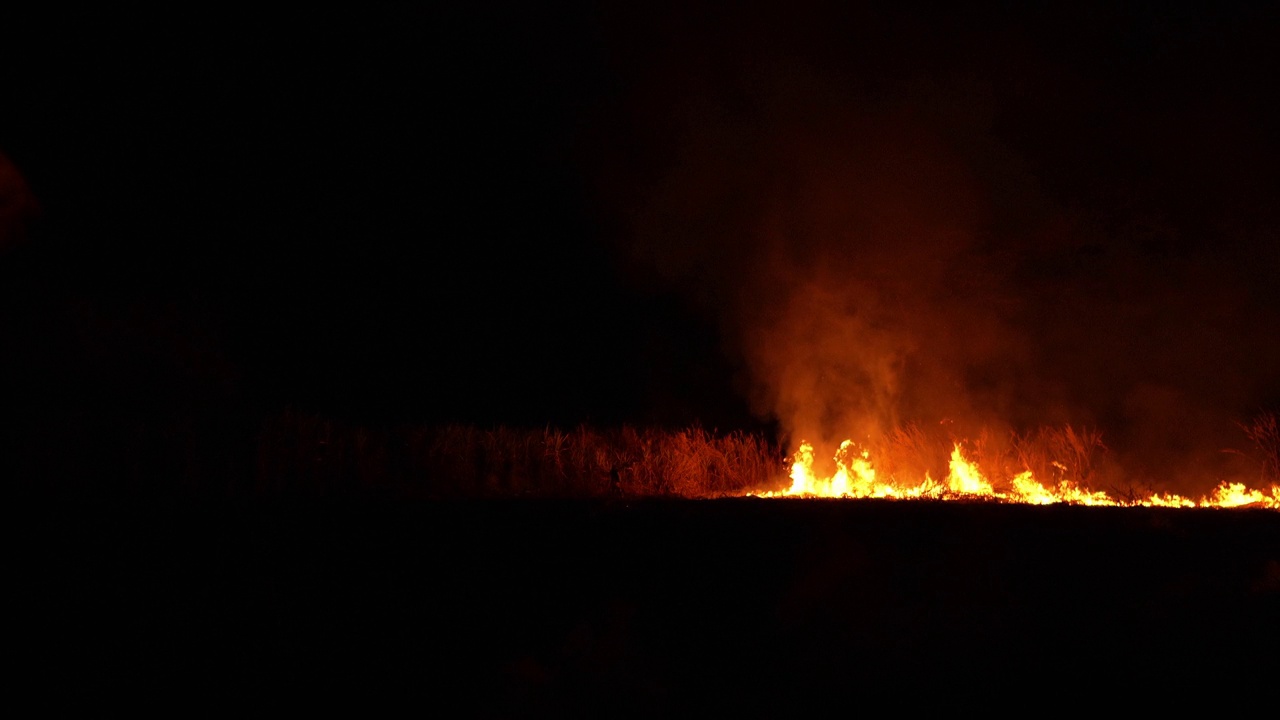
pixel 855 476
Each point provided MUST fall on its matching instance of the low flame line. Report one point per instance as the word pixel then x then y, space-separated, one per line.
pixel 856 477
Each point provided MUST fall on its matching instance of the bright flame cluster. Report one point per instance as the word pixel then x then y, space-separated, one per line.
pixel 855 477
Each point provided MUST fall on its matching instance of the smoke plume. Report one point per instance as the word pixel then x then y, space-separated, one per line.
pixel 882 230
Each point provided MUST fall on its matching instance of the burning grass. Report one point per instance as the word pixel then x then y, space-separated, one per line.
pixel 305 454
pixel 1047 466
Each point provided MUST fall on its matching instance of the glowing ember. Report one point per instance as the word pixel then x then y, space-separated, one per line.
pixel 856 476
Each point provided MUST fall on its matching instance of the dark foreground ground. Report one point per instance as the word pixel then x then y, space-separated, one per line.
pixel 654 607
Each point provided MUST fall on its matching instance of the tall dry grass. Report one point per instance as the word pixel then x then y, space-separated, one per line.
pixel 305 454
pixel 1052 453
pixel 310 455
pixel 1264 432
pixel 302 454
pixel 1055 454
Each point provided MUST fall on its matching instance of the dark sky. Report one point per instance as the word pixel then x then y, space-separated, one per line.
pixel 830 216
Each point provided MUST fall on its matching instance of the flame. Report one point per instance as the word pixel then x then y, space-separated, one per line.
pixel 856 477
pixel 1029 491
pixel 802 481
pixel 1236 495
pixel 965 478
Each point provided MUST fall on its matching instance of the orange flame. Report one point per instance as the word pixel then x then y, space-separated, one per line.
pixel 965 478
pixel 856 477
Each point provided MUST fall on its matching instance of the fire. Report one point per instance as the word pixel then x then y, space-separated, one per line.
pixel 856 476
pixel 1026 487
pixel 1236 495
pixel 965 478
pixel 802 480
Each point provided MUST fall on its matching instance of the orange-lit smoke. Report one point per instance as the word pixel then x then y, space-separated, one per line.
pixel 881 255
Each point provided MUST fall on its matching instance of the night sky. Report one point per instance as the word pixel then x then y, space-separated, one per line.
pixel 819 218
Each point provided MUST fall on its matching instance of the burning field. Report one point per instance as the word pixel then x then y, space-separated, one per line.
pixel 313 456
pixel 527 572
pixel 855 477
pixel 646 358
pixel 523 572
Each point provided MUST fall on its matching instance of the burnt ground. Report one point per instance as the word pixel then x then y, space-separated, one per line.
pixel 648 607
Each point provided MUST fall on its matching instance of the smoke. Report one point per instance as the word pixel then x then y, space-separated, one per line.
pixel 883 244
